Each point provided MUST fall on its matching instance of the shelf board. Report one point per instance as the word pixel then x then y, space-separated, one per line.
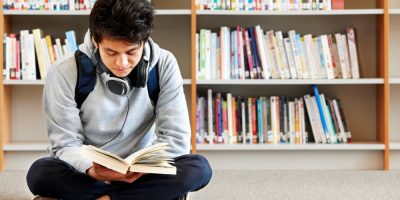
pixel 41 82
pixel 394 11
pixel 292 81
pixel 187 81
pixel 394 80
pixel 309 12
pixel 394 145
pixel 87 12
pixel 26 146
pixel 23 82
pixel 245 147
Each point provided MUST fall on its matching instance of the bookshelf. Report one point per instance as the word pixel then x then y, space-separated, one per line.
pixel 22 100
pixel 369 131
pixel 366 100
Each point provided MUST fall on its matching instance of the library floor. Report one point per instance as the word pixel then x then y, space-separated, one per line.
pixel 262 185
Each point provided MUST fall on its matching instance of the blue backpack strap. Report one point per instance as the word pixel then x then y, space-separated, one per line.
pixel 86 79
pixel 153 87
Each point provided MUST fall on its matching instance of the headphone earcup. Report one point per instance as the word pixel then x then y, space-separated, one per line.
pixel 140 74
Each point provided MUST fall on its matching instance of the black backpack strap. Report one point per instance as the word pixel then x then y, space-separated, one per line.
pixel 86 79
pixel 153 86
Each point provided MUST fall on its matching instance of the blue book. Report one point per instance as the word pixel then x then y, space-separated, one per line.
pixel 70 35
pixel 321 112
pixel 259 121
pixel 256 68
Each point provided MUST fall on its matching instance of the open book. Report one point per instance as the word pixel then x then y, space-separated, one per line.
pixel 152 159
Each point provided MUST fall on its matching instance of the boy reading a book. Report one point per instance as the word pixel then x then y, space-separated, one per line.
pixel 117 115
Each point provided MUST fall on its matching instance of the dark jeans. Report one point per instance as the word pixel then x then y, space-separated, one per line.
pixel 51 177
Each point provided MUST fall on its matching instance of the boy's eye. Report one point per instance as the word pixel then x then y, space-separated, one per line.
pixel 111 53
pixel 131 52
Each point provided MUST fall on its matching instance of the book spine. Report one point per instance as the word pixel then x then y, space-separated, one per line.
pixel 321 110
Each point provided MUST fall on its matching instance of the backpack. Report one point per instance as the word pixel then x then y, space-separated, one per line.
pixel 87 79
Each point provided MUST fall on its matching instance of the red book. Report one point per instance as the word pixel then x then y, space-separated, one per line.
pixel 337 4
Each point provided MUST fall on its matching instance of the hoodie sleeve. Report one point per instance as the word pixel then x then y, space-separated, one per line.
pixel 63 122
pixel 172 119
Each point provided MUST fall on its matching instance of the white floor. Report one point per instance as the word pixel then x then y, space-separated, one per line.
pixel 270 185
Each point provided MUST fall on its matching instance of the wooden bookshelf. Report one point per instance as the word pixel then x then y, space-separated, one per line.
pixel 87 12
pixel 180 19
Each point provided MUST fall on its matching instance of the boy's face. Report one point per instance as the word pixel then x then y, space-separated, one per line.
pixel 120 57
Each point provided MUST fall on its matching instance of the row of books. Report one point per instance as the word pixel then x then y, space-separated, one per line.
pixel 251 53
pixel 270 120
pixel 52 5
pixel 270 5
pixel 26 54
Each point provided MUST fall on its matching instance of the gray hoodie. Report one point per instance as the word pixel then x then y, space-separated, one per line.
pixel 119 124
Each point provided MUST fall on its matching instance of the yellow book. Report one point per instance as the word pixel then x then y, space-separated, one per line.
pixel 51 49
pixel 37 35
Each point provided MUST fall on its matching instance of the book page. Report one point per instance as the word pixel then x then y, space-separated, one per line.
pixel 105 159
pixel 146 151
pixel 160 168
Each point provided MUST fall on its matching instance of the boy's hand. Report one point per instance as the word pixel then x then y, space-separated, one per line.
pixel 102 173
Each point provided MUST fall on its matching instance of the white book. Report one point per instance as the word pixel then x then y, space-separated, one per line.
pixel 338 68
pixel 320 53
pixel 272 71
pixel 346 56
pixel 46 54
pixel 24 48
pixel 207 67
pixel 320 72
pixel 277 73
pixel 214 57
pixel 290 58
pixel 282 54
pixel 341 57
pixel 312 118
pixel 310 61
pixel 67 49
pixel 201 73
pixel 261 51
pixel 351 38
pixel 71 4
pixel 59 47
pixel 32 58
pixel 56 53
pixel 296 53
pixel 327 57
pixel 306 73
pixel 225 53
pixel 275 120
pixel 234 56
pixel 152 159
pixel 320 128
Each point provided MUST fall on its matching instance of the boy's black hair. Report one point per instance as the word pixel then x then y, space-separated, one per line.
pixel 128 20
